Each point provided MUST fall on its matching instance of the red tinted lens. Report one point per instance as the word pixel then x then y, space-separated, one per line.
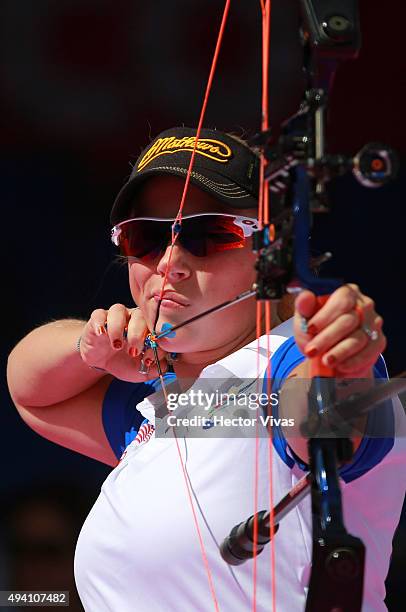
pixel 222 233
pixel 143 239
pixel 209 234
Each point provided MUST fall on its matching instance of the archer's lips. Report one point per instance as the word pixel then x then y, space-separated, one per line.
pixel 172 300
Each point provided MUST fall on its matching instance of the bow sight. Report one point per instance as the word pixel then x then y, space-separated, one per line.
pixel 330 34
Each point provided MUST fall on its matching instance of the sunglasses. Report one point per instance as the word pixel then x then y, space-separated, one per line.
pixel 201 235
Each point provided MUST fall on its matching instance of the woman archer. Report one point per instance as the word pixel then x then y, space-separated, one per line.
pixel 93 387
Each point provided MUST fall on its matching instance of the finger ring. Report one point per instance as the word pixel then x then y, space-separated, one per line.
pixel 371 333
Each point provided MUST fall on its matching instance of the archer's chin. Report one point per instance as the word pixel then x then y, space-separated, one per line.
pixel 183 341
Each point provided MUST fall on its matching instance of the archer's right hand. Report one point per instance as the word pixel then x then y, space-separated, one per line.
pixel 104 344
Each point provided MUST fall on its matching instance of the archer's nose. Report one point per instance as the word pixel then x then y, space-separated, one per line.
pixel 179 267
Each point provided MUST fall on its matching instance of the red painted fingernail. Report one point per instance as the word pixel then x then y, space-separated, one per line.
pixel 331 360
pixel 117 344
pixel 311 352
pixel 312 330
pixel 148 362
pixel 133 351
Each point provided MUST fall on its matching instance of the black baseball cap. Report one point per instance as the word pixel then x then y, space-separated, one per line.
pixel 223 166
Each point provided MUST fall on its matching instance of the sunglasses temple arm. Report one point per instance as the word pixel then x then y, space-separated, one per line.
pixel 239 298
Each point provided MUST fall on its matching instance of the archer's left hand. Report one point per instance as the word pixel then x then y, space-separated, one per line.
pixel 346 331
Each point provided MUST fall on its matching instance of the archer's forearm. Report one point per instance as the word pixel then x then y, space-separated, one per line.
pixel 45 368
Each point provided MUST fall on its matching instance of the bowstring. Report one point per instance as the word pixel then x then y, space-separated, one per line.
pixel 261 202
pixel 177 223
pixel 264 219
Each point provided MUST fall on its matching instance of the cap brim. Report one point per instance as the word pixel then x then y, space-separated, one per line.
pixel 215 184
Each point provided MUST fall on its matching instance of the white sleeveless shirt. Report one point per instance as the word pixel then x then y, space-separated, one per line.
pixel 138 549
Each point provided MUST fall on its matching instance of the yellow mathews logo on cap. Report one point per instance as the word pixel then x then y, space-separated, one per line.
pixel 214 149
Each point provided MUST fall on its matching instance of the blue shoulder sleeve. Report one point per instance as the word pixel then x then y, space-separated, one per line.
pixel 380 421
pixel 121 419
